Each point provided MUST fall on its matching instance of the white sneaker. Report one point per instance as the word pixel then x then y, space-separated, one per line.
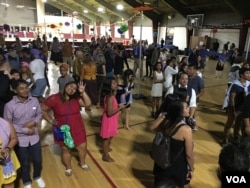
pixel 27 186
pixel 40 182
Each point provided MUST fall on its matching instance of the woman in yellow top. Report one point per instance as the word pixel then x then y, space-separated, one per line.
pixel 77 65
pixel 88 76
pixel 8 160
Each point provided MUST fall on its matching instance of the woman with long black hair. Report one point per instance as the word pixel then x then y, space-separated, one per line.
pixel 181 145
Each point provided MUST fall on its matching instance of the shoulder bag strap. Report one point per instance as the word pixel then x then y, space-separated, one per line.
pixel 176 129
pixel 67 114
pixel 171 134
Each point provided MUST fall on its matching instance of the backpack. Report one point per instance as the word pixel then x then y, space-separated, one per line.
pixel 160 149
pixel 227 96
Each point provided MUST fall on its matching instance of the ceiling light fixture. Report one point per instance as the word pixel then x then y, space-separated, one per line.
pixel 44 1
pixel 75 13
pixel 20 6
pixel 31 8
pixel 120 7
pixel 100 9
pixel 170 16
pixel 85 11
pixel 5 4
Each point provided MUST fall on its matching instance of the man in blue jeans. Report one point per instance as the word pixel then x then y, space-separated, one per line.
pixel 25 113
pixel 37 67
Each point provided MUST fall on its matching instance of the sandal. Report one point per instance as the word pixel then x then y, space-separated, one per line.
pixel 108 159
pixel 68 172
pixel 84 167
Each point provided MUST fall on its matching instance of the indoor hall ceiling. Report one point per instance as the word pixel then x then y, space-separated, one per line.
pixel 160 8
pixel 110 11
pixel 187 7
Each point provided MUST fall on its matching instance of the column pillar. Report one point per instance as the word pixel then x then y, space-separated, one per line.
pixel 40 11
pixel 86 28
pixel 130 29
pixel 243 37
pixel 112 29
pixel 98 29
pixel 155 31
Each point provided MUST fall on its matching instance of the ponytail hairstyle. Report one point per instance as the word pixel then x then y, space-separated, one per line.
pixel 126 75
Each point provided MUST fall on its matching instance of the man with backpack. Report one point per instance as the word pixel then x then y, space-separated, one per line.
pixel 234 70
pixel 236 98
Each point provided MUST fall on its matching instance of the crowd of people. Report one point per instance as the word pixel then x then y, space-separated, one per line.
pixel 87 78
pixel 94 75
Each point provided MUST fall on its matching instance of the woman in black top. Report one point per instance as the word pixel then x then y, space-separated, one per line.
pixel 181 170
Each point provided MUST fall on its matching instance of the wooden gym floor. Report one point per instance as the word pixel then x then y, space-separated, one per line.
pixel 133 167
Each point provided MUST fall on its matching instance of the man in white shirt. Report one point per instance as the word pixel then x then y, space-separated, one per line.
pixel 185 91
pixel 187 94
pixel 168 74
pixel 37 67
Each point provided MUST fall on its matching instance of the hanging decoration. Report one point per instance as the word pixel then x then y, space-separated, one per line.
pixel 215 30
pixel 119 31
pixel 67 24
pixel 52 26
pixel 6 27
pixel 79 26
pixel 48 25
pixel 60 24
pixel 124 28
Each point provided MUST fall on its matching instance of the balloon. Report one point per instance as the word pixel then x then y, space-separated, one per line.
pixel 119 31
pixel 67 24
pixel 48 25
pixel 52 26
pixel 60 24
pixel 124 28
pixel 79 26
pixel 215 30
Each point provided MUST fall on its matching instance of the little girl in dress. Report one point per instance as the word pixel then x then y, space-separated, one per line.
pixel 109 125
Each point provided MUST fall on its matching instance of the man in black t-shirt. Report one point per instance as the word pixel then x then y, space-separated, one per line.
pixel 237 94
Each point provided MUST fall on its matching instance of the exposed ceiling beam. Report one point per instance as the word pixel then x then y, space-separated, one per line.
pixel 203 5
pixel 113 9
pixel 150 13
pixel 232 7
pixel 79 11
pixel 66 9
pixel 93 10
pixel 179 7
